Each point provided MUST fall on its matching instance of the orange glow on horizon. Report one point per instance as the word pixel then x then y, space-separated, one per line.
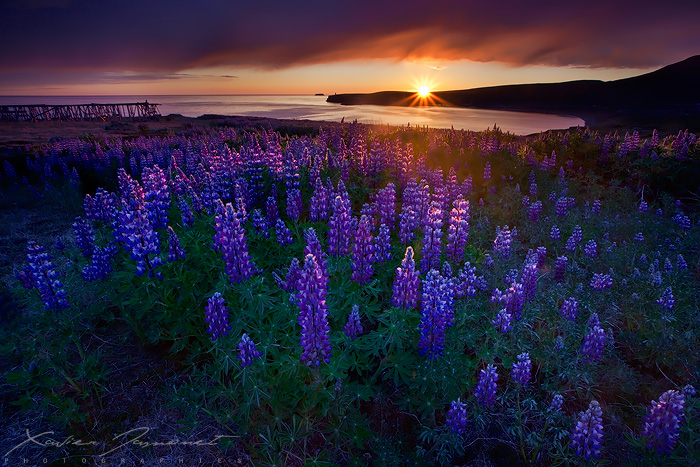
pixel 424 91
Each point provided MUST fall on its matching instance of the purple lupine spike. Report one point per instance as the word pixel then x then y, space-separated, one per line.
pixel 595 209
pixel 529 280
pixel 638 237
pixel 339 229
pixel 187 216
pixel 294 203
pixel 382 244
pixel 667 301
pixel 405 288
pixel 643 206
pixel 569 309
pixel 485 391
pixel 503 241
pixel 601 281
pixel 526 199
pixel 522 369
pixel 230 240
pixel 681 264
pixel 591 249
pixel 434 315
pixel 84 236
pixel 541 256
pixel 466 281
pixel 284 235
pixel 247 352
pixel 353 328
pixel 143 243
pixel 503 321
pixel 386 206
pixel 432 238
pixel 594 342
pixel 560 268
pixel 216 316
pixel 458 230
pixel 662 421
pixel 487 171
pixel 313 247
pixel 100 266
pixel 557 402
pixel 587 435
pixel 103 207
pixel 156 196
pixel 408 222
pixel 555 233
pixel 570 244
pixel 175 251
pixel 260 223
pixel 271 211
pixel 689 391
pixel 363 252
pixel 533 212
pixel 291 280
pixel 457 417
pixel 318 206
pixel 45 278
pixel 577 234
pixel 313 314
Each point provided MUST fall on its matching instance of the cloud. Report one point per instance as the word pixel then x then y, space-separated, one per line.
pixel 163 38
pixel 437 67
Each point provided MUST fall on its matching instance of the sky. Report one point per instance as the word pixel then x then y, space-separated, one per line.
pixel 162 47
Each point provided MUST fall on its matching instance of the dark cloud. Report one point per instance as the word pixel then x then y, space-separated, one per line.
pixel 160 37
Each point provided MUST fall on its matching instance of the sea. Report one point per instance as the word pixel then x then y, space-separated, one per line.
pixel 306 107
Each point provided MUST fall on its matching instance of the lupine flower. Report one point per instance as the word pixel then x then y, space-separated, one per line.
pixel 533 189
pixel 284 235
pixel 559 344
pixel 526 201
pixel 541 256
pixel 557 402
pixel 260 223
pixel 488 260
pixel 294 203
pixel 668 267
pixel 595 209
pixel 408 222
pixel 569 309
pixel 662 421
pixel 271 211
pixel 591 249
pixel 689 391
pixel 139 238
pixel 339 229
pixel 502 243
pixel 216 316
pixel 587 435
pixel 174 250
pixel 407 282
pixel 485 391
pixel 386 206
pixel 522 369
pixel 363 252
pixel 247 351
pixel 562 206
pixel 457 416
pixel 45 278
pixel 458 229
pixel 318 206
pixel 534 211
pixel 435 314
pixel 84 236
pixel 529 280
pixel 639 237
pixel 594 342
pixel 487 171
pixel 601 281
pixel 681 263
pixel 156 196
pixel 230 240
pixel 466 281
pixel 382 244
pixel 667 301
pixel 313 314
pixel 682 220
pixel 291 279
pixel 432 238
pixel 187 216
pixel 353 328
pixel 577 234
pixel 313 247
pixel 103 207
pixel 503 321
pixel 100 266
pixel 554 234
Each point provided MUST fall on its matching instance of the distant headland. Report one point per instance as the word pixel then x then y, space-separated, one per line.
pixel 668 95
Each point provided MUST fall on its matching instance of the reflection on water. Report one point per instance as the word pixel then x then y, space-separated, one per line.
pixel 316 108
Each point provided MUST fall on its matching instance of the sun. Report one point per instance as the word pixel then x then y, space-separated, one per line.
pixel 424 91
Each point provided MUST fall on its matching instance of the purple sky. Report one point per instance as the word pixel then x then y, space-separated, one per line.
pixel 225 46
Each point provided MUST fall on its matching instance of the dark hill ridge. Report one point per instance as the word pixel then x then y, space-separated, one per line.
pixel 672 91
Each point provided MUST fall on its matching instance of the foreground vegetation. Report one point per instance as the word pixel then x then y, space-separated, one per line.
pixel 357 296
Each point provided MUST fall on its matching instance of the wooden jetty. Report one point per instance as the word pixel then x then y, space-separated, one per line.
pixel 78 112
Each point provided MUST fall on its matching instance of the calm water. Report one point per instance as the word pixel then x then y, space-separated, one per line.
pixel 316 108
